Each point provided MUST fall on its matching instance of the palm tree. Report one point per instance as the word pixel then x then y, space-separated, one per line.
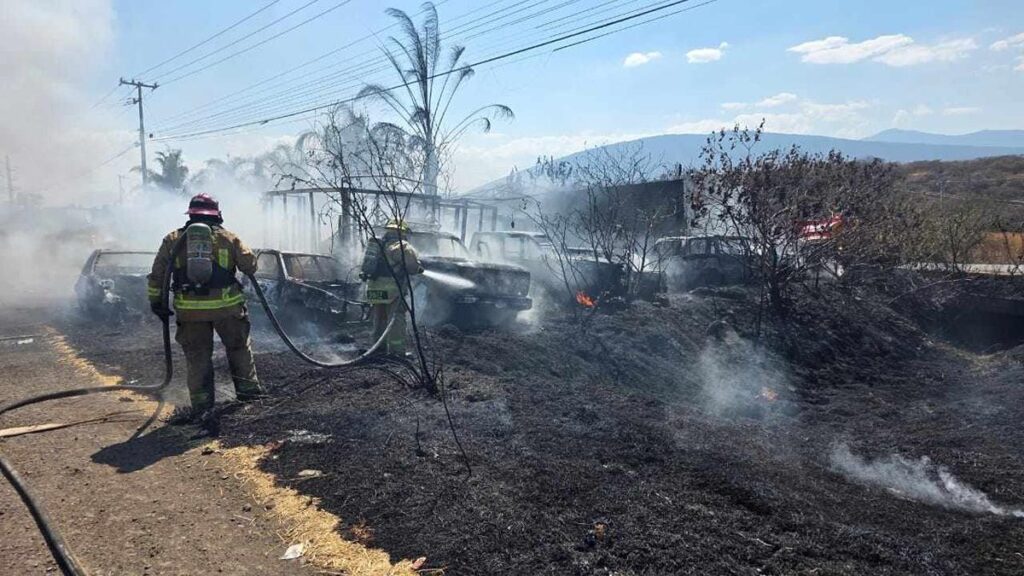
pixel 173 173
pixel 423 99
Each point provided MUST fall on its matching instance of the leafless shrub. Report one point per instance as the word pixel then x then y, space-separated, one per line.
pixel 347 148
pixel 801 212
pixel 599 221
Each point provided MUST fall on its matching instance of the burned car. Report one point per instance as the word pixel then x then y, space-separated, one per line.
pixel 308 288
pixel 112 284
pixel 455 288
pixel 712 260
pixel 593 275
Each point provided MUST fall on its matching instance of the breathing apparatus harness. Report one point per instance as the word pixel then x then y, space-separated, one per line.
pixel 202 272
pixel 200 275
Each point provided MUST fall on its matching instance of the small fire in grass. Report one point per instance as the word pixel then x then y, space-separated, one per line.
pixel 768 394
pixel 583 300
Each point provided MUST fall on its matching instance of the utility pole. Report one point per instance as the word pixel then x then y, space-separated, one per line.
pixel 10 180
pixel 142 127
pixel 120 188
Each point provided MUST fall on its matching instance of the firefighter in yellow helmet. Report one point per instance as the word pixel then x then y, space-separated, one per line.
pixel 207 299
pixel 387 265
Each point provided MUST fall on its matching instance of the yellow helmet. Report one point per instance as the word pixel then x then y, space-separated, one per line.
pixel 399 225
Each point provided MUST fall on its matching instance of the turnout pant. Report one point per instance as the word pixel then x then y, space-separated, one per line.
pixel 394 342
pixel 196 339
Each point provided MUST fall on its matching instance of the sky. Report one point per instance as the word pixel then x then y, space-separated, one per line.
pixel 847 69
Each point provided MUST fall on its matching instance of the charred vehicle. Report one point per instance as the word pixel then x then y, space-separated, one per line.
pixel 304 288
pixel 695 261
pixel 112 284
pixel 456 288
pixel 593 275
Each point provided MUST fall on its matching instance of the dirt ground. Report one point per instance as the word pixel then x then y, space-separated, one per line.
pixel 638 443
pixel 158 505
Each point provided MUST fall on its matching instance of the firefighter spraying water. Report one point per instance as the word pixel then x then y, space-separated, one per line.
pixel 387 265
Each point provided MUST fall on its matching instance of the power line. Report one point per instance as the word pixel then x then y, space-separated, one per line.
pixel 296 93
pixel 274 103
pixel 247 36
pixel 208 40
pixel 260 43
pixel 378 59
pixel 499 57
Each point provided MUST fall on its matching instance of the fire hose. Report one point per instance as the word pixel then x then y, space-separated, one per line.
pixel 58 547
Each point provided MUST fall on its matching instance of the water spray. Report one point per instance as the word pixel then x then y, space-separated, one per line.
pixel 450 280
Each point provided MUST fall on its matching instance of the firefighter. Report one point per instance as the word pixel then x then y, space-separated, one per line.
pixel 387 264
pixel 207 298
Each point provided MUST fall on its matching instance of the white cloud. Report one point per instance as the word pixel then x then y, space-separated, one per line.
pixel 891 49
pixel 640 58
pixel 1016 41
pixel 922 110
pixel 778 100
pixel 1020 64
pixel 839 50
pixel 706 55
pixel 844 119
pixel 903 115
pixel 734 105
pixel 960 110
pixel 914 54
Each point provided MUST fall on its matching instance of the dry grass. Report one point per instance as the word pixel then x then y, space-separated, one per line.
pixel 306 522
pixel 300 517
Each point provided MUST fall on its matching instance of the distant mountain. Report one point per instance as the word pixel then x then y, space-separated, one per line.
pixel 684 149
pixel 990 138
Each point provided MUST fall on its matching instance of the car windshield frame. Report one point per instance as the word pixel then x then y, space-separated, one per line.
pixel 143 266
pixel 330 272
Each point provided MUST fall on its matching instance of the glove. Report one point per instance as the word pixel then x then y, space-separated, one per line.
pixel 161 311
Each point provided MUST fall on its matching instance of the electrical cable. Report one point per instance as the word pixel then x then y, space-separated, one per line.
pixel 548 42
pixel 247 36
pixel 258 44
pixel 204 42
pixel 208 104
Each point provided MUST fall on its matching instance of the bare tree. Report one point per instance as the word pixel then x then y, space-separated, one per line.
pixel 348 148
pixel 773 197
pixel 598 221
pixel 428 86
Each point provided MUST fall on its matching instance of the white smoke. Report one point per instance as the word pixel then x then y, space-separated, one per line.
pixel 737 377
pixel 919 480
pixel 54 53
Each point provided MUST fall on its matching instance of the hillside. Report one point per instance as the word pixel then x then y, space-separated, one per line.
pixel 992 138
pixel 1000 178
pixel 671 149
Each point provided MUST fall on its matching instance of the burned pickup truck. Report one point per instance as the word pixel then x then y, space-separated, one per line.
pixel 455 288
pixel 585 272
pixel 308 289
pixel 112 285
pixel 711 260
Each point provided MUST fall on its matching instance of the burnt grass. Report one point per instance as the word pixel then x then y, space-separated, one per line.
pixel 642 442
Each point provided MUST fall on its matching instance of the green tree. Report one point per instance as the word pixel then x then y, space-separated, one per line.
pixel 173 173
pixel 429 84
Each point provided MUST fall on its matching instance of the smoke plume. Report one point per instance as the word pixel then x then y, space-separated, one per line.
pixel 738 378
pixel 919 480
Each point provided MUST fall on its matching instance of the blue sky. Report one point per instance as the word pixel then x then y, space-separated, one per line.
pixel 836 68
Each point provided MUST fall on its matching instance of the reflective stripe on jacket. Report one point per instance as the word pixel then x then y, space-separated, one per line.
pixel 382 288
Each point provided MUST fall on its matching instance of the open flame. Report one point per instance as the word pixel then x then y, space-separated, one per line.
pixel 768 394
pixel 583 300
